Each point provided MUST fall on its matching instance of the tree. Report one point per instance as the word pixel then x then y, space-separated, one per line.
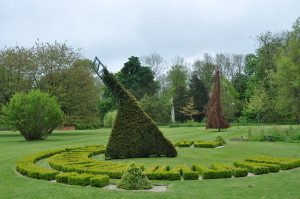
pixel 35 114
pixel 214 115
pixel 230 102
pixel 205 69
pixel 78 98
pixel 287 79
pixel 178 76
pixel 190 109
pixel 198 92
pixel 158 107
pixel 156 62
pixel 138 79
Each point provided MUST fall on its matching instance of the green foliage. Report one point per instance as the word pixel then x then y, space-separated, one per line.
pixel 109 119
pixel 134 179
pixel 199 93
pixel 207 144
pixel 208 173
pixel 158 107
pixel 229 100
pixel 274 134
pixel 134 133
pixel 35 114
pixel 162 173
pixel 283 162
pixel 26 166
pixel 237 172
pixel 188 123
pixel 139 80
pixel 99 181
pixel 220 139
pixel 257 168
pixel 178 76
pixel 82 179
pixel 63 177
pixel 184 143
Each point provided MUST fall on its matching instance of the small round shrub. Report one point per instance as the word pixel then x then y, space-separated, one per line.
pixel 35 114
pixel 109 119
pixel 134 179
pixel 220 139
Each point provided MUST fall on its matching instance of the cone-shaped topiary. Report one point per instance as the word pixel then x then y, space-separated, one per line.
pixel 214 116
pixel 134 133
pixel 134 179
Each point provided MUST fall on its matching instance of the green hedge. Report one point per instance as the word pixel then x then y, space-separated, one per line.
pixel 99 181
pixel 80 179
pixel 207 144
pixel 186 172
pixel 63 177
pixel 283 162
pixel 237 172
pixel 162 173
pixel 258 168
pixel 208 173
pixel 184 143
pixel 26 166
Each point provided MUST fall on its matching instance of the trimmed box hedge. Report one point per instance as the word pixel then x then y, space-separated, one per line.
pixel 208 173
pixel 207 144
pixel 237 172
pixel 99 180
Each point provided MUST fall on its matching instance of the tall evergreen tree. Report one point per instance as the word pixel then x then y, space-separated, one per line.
pixel 198 92
pixel 214 114
pixel 138 79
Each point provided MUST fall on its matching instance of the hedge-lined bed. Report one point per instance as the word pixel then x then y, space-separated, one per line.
pixel 75 166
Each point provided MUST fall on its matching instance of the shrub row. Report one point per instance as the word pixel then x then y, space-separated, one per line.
pixel 236 172
pixel 207 144
pixel 161 173
pixel 186 172
pixel 184 143
pixel 78 160
pixel 83 179
pixel 258 168
pixel 200 143
pixel 27 167
pixel 208 173
pixel 284 163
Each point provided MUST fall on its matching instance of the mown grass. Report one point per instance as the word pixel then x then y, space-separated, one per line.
pixel 278 185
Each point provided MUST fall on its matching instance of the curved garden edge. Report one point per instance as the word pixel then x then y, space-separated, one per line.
pixel 75 166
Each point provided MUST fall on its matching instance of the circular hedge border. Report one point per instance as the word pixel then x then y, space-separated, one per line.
pixel 76 167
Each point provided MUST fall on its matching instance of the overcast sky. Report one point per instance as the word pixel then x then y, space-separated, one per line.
pixel 115 30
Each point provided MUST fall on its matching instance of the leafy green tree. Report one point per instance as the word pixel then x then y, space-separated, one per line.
pixel 190 109
pixel 35 114
pixel 205 69
pixel 178 76
pixel 158 107
pixel 78 98
pixel 229 100
pixel 17 72
pixel 287 79
pixel 199 93
pixel 137 78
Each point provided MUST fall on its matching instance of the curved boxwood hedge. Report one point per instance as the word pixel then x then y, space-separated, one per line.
pixel 75 166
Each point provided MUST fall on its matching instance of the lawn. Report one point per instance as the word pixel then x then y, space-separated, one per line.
pixel 278 185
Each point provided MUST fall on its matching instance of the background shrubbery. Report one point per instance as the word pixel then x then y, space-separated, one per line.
pixel 35 114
